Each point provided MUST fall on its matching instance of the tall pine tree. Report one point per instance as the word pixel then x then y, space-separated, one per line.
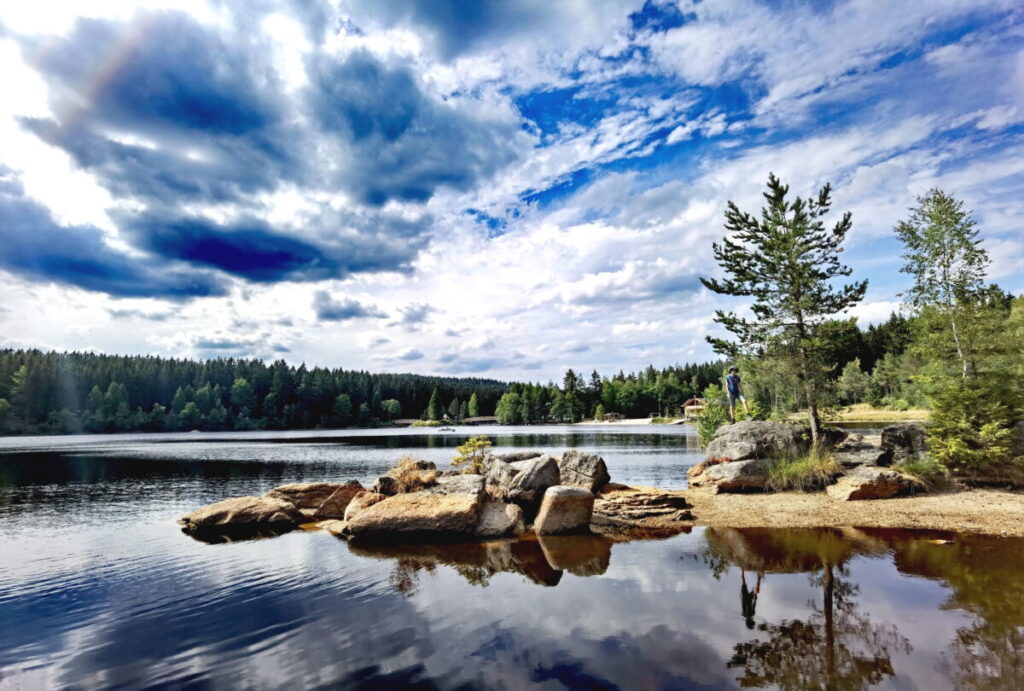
pixel 786 261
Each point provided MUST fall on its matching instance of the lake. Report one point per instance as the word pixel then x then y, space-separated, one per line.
pixel 99 588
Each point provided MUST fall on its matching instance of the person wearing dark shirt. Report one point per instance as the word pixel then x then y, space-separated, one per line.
pixel 732 385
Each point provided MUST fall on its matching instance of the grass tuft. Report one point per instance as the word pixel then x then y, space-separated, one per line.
pixel 410 477
pixel 812 471
pixel 924 470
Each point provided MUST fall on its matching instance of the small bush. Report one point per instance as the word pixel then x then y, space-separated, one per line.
pixel 714 414
pixel 924 470
pixel 426 423
pixel 410 476
pixel 472 454
pixel 812 471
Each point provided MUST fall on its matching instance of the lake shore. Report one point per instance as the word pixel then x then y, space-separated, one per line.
pixel 988 511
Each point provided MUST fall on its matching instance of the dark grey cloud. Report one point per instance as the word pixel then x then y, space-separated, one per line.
pixel 34 246
pixel 410 354
pixel 414 314
pixel 329 309
pixel 139 314
pixel 402 143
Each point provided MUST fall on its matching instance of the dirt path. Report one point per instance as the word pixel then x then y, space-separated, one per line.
pixel 997 512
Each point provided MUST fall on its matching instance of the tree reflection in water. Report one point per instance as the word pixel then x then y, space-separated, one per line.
pixel 835 647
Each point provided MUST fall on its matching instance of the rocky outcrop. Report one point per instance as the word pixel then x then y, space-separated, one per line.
pixel 387 485
pixel 640 512
pixel 361 501
pixel 733 476
pixel 498 479
pixel 242 514
pixel 564 510
pixel 758 439
pixel 307 495
pixel 335 505
pixel 498 519
pixel 514 456
pixel 906 440
pixel 532 479
pixel 872 483
pixel 858 450
pixel 586 470
pixel 418 515
pixel 458 484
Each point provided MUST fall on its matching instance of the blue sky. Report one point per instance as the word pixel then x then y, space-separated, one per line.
pixel 493 188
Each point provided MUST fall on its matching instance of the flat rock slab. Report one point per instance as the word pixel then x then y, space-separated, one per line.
pixel 586 470
pixel 308 495
pixel 441 516
pixel 637 511
pixel 498 519
pixel 872 483
pixel 240 513
pixel 335 505
pixel 361 501
pixel 457 484
pixel 734 476
pixel 564 510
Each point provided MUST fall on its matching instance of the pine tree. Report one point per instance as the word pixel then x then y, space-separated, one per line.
pixel 474 405
pixel 434 406
pixel 786 262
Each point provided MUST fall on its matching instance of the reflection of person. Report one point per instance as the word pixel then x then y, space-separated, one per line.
pixel 732 385
pixel 748 598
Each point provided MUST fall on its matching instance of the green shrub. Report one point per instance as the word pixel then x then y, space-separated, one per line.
pixel 812 471
pixel 426 423
pixel 924 470
pixel 970 429
pixel 472 454
pixel 714 415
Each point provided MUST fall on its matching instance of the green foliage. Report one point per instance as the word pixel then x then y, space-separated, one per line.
pixel 472 454
pixel 926 470
pixel 970 429
pixel 812 471
pixel 785 259
pixel 599 412
pixel 190 417
pixel 5 411
pixel 434 406
pixel 243 398
pixel 508 410
pixel 426 423
pixel 342 408
pixel 392 409
pixel 853 383
pixel 473 410
pixel 714 415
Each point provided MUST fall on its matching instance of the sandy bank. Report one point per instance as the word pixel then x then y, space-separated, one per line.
pixel 997 512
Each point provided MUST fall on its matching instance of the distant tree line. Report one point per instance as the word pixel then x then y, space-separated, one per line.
pixel 65 393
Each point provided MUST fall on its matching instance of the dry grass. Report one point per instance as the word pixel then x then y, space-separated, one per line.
pixel 862 412
pixel 411 477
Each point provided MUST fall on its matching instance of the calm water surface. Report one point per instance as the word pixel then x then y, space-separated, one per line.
pixel 99 589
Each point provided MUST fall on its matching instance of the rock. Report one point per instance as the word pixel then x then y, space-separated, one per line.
pixel 387 485
pixel 498 480
pixel 418 515
pixel 451 472
pixel 872 483
pixel 532 479
pixel 334 527
pixel 858 450
pixel 759 439
pixel 307 495
pixel 564 510
pixel 242 513
pixel 640 511
pixel 734 476
pixel 361 501
pixel 498 519
pixel 334 506
pixel 458 484
pixel 906 440
pixel 425 465
pixel 514 456
pixel 587 470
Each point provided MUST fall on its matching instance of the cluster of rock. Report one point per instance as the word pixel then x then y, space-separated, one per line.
pixel 514 493
pixel 739 459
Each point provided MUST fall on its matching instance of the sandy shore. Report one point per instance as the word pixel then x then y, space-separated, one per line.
pixel 996 512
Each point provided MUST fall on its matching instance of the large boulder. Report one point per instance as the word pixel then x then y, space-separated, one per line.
pixel 513 456
pixel 734 476
pixel 858 450
pixel 906 440
pixel 241 514
pixel 759 439
pixel 361 501
pixel 498 479
pixel 587 470
pixel 640 511
pixel 335 505
pixel 387 485
pixel 498 519
pixel 564 510
pixel 418 515
pixel 872 483
pixel 533 477
pixel 308 495
pixel 457 484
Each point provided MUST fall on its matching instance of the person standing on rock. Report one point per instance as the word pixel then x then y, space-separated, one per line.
pixel 732 386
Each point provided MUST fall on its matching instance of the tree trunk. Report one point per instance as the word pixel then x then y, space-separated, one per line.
pixel 828 582
pixel 959 347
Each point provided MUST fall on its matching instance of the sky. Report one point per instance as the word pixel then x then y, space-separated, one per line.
pixel 497 189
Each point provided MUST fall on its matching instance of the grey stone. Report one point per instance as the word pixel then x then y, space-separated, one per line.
pixel 457 484
pixel 564 510
pixel 418 515
pixel 587 470
pixel 306 495
pixel 498 479
pixel 906 440
pixel 858 450
pixel 514 456
pixel 872 483
pixel 242 513
pixel 737 476
pixel 758 439
pixel 498 519
pixel 533 477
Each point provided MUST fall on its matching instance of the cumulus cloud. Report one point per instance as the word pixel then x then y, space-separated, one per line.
pixel 329 309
